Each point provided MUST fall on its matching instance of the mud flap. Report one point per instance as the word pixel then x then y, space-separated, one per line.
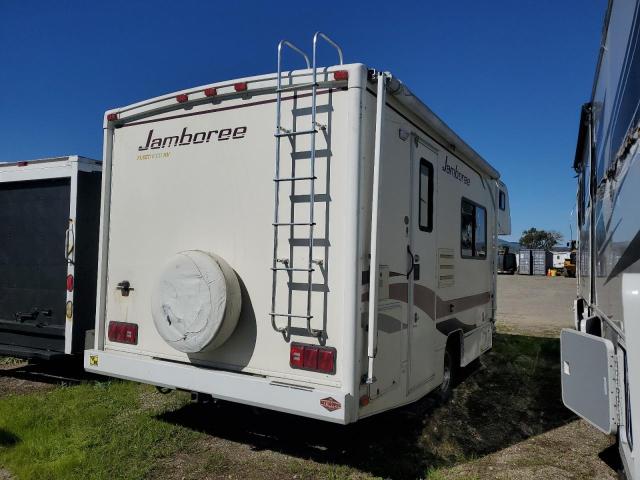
pixel 589 378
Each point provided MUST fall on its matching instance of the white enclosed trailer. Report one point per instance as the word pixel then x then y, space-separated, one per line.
pixel 225 272
pixel 49 226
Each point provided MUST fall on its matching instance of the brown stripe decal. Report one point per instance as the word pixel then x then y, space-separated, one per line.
pixel 426 300
pixel 456 305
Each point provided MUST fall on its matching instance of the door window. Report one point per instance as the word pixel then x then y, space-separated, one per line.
pixel 426 196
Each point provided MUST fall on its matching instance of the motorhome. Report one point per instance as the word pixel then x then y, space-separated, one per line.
pixel 49 226
pixel 244 222
pixel 601 354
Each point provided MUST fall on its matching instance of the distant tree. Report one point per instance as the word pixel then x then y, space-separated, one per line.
pixel 534 238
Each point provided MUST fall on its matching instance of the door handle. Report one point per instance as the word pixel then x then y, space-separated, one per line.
pixel 413 261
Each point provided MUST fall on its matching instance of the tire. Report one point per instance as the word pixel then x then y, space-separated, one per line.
pixel 444 391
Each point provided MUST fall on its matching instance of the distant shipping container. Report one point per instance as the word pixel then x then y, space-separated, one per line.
pixel 541 261
pixel 524 264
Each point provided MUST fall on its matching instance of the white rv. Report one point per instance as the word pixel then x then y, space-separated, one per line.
pixel 600 356
pixel 242 224
pixel 49 225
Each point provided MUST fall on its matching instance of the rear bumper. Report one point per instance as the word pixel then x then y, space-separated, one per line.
pixel 327 404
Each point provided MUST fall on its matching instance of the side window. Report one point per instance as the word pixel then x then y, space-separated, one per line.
pixel 473 230
pixel 502 200
pixel 467 229
pixel 426 196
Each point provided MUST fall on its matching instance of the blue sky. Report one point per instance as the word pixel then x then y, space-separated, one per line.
pixel 508 76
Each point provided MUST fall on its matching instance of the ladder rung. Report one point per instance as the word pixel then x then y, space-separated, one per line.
pixel 293 179
pixel 306 198
pixel 289 269
pixel 293 134
pixel 298 86
pixel 289 315
pixel 303 287
pixel 293 224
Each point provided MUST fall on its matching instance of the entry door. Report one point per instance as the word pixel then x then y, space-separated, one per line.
pixel 422 256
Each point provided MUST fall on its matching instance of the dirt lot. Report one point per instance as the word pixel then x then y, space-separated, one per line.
pixel 535 305
pixel 505 420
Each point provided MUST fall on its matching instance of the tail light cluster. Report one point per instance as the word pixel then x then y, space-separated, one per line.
pixel 313 358
pixel 69 283
pixel 122 332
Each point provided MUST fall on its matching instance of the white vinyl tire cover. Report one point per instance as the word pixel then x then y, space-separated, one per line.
pixel 196 301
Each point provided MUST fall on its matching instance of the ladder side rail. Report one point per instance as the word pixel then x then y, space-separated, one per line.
pixel 314 127
pixel 276 202
pixel 330 42
pixel 276 215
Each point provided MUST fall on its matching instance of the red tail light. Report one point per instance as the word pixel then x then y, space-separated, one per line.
pixel 296 356
pixel 183 97
pixel 240 86
pixel 314 358
pixel 69 283
pixel 341 75
pixel 23 164
pixel 112 117
pixel 122 332
pixel 210 92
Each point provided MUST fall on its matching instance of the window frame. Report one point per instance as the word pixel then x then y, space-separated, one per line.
pixel 475 206
pixel 429 227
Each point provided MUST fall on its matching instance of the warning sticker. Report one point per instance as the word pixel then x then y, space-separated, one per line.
pixel 93 360
pixel 331 404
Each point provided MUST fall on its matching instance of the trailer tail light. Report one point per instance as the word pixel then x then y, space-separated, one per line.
pixel 240 86
pixel 68 310
pixel 313 358
pixel 112 117
pixel 210 92
pixel 122 332
pixel 182 98
pixel 341 75
pixel 69 283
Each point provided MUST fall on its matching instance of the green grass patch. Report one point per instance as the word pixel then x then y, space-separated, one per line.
pixel 10 361
pixel 94 430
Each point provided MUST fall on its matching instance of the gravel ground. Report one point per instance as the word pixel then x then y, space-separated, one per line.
pixel 535 305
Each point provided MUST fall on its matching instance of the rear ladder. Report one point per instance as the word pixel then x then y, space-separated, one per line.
pixel 291 134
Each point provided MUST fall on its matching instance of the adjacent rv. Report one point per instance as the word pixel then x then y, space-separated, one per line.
pixel 49 225
pixel 601 354
pixel 315 241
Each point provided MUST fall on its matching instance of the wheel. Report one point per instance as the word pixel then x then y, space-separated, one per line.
pixel 445 389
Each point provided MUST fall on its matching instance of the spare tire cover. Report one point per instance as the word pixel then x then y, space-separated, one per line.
pixel 196 301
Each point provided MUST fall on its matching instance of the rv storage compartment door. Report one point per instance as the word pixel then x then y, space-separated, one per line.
pixel 588 365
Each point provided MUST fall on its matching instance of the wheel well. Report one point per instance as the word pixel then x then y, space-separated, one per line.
pixel 454 346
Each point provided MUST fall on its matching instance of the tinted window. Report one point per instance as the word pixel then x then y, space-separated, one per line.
pixel 467 229
pixel 426 196
pixel 502 200
pixel 473 230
